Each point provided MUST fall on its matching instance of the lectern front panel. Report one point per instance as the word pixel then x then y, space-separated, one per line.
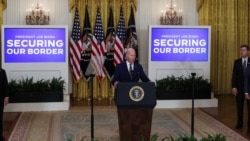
pixel 135 95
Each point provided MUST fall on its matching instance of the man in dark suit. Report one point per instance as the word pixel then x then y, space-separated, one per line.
pixel 129 71
pixel 4 98
pixel 240 84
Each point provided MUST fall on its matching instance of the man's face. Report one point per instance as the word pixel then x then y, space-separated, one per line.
pixel 131 56
pixel 244 52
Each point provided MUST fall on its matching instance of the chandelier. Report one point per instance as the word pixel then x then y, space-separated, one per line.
pixel 171 16
pixel 37 15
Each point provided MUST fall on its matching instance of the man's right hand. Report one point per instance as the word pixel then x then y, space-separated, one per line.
pixel 115 84
pixel 247 97
pixel 234 91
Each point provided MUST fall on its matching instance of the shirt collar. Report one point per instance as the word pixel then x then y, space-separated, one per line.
pixel 129 63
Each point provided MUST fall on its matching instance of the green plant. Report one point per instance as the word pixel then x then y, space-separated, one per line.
pixel 14 86
pixel 41 85
pixel 214 137
pixel 183 84
pixel 56 84
pixel 82 139
pixel 28 85
pixel 154 137
pixel 183 137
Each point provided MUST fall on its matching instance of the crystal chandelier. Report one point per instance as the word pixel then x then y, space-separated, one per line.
pixel 37 15
pixel 171 16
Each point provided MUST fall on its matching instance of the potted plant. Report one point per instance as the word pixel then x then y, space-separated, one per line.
pixel 26 90
pixel 181 87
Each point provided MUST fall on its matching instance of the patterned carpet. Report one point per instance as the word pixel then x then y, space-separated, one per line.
pixel 75 125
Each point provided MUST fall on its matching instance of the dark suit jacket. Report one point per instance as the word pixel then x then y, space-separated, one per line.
pixel 3 84
pixel 122 73
pixel 238 75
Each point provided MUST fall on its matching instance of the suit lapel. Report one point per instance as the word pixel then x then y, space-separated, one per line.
pixel 135 67
pixel 248 62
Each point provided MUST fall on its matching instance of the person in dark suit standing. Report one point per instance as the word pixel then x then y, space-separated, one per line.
pixel 129 71
pixel 240 84
pixel 4 98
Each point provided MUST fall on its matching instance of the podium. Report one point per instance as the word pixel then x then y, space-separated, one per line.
pixel 135 103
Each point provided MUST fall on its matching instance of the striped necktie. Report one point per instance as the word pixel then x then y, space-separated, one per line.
pixel 245 76
pixel 244 65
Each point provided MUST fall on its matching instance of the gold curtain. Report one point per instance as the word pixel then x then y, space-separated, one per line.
pixel 3 5
pixel 104 9
pixel 230 28
pixel 104 89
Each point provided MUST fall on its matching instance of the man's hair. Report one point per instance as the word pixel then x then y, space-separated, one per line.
pixel 246 46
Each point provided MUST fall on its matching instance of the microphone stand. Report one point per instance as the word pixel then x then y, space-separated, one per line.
pixel 92 107
pixel 192 114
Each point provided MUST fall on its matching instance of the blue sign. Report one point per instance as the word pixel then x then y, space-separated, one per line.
pixel 27 45
pixel 179 44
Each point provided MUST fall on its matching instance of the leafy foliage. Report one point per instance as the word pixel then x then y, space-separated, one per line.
pixel 183 84
pixel 82 139
pixel 180 138
pixel 28 85
pixel 56 84
pixel 215 137
pixel 184 137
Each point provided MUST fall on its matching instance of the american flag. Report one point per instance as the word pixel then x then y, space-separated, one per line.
pixel 131 30
pixel 75 48
pixel 121 30
pixel 120 36
pixel 98 50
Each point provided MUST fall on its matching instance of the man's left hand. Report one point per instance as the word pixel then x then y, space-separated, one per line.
pixel 6 100
pixel 247 96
